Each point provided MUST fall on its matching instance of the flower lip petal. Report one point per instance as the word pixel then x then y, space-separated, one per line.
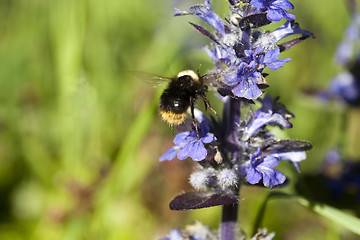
pixel 208 138
pixel 271 55
pixel 188 144
pixel 169 154
pixel 185 151
pixel 273 178
pixel 253 176
pixel 247 89
pixel 195 150
pixel 278 63
pixel 261 167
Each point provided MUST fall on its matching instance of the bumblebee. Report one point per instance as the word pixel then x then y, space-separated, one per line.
pixel 181 95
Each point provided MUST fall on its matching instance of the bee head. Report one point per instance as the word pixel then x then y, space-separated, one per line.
pixel 190 73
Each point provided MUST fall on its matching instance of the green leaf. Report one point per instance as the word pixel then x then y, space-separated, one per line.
pixel 342 218
pixel 345 220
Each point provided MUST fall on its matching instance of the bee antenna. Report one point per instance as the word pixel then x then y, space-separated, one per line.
pixel 198 70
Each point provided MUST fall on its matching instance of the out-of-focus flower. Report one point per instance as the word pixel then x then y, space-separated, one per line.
pixel 349 47
pixel 174 234
pixel 263 234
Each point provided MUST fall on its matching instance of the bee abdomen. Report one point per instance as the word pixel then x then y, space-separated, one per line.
pixel 173 118
pixel 173 106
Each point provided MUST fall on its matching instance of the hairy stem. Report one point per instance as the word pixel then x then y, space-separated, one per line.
pixel 232 115
pixel 229 224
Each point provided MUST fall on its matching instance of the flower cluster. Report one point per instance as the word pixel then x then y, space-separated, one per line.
pixel 239 147
pixel 261 152
pixel 233 150
pixel 240 51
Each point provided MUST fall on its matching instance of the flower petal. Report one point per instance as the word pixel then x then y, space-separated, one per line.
pixel 181 137
pixel 253 176
pixel 198 151
pixel 273 177
pixel 208 138
pixel 169 154
pixel 208 15
pixel 275 15
pixel 247 89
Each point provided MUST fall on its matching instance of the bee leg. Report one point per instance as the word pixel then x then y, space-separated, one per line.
pixel 192 107
pixel 207 103
pixel 172 129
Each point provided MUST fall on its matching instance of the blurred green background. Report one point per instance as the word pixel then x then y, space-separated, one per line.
pixel 80 135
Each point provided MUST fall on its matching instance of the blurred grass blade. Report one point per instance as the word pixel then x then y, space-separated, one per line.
pixel 337 216
pixel 345 220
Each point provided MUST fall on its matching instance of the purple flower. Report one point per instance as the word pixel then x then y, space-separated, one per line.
pixel 345 87
pixel 271 112
pixel 347 47
pixel 188 144
pixel 289 28
pixel 245 80
pixel 268 58
pixel 204 12
pixel 220 55
pixel 276 9
pixel 261 167
pixel 256 55
pixel 294 157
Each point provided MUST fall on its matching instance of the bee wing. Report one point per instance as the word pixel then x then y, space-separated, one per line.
pixel 153 79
